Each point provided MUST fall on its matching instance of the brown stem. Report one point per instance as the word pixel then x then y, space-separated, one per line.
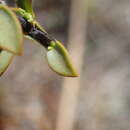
pixel 36 33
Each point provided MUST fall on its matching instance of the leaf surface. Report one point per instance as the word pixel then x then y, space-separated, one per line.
pixel 59 60
pixel 5 60
pixel 11 36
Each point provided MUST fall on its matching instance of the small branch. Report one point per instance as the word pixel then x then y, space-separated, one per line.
pixel 36 33
pixel 33 31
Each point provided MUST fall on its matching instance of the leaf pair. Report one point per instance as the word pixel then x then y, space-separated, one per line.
pixel 11 37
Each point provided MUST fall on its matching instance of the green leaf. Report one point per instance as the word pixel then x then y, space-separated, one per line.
pixel 11 35
pixel 26 5
pixel 59 61
pixel 5 60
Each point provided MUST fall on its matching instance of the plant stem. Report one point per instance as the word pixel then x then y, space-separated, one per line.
pixel 36 33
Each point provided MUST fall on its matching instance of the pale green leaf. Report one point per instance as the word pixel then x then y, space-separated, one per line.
pixel 5 60
pixel 11 35
pixel 59 60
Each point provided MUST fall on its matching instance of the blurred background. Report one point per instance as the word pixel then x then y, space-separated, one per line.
pixel 97 34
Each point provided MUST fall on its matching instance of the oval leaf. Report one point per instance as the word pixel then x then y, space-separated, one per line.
pixel 59 61
pixel 5 60
pixel 26 5
pixel 11 35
